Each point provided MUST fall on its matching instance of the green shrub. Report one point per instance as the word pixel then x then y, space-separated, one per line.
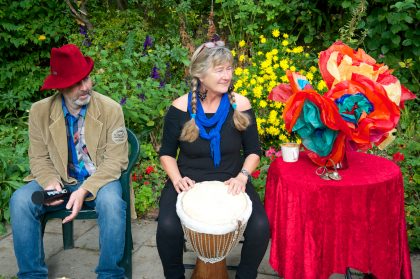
pixel 407 143
pixel 13 163
pixel 148 180
pixel 28 30
pixel 132 69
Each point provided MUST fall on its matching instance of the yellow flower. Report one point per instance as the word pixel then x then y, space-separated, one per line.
pixel 284 64
pixel 265 64
pixel 271 85
pixel 275 33
pixel 293 68
pixel 241 58
pixel 233 52
pixel 283 138
pixel 263 103
pixel 273 131
pixel 269 70
pixel 277 105
pixel 238 84
pixel 285 36
pixel 272 117
pixel 257 91
pixel 298 49
pixel 310 76
pixel 244 92
pixel 321 85
pixel 299 141
pixel 253 81
pixel 312 69
pixel 263 40
pixel 260 53
pixel 42 37
pixel 284 78
pixel 242 43
pixel 238 71
pixel 285 43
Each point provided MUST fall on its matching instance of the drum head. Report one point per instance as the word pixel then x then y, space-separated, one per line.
pixel 209 208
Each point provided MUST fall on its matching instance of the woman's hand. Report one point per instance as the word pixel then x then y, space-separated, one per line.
pixel 184 184
pixel 237 184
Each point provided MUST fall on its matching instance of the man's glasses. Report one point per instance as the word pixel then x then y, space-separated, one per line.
pixel 212 45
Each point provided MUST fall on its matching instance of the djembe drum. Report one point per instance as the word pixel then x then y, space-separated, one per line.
pixel 213 222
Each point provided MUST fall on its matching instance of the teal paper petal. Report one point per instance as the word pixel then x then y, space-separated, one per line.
pixel 315 135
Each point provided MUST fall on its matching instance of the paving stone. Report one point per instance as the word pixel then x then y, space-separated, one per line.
pixel 80 262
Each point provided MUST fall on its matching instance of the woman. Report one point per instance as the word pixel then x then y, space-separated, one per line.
pixel 214 130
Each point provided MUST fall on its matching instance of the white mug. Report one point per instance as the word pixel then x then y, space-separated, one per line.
pixel 290 152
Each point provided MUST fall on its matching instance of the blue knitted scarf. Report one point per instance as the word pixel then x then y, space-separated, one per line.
pixel 215 123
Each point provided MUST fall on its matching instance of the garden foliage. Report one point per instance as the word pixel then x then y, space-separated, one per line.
pixel 141 56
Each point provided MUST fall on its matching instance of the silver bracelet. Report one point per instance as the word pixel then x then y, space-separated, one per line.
pixel 245 172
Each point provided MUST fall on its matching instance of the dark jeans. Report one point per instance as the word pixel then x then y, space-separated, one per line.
pixel 170 236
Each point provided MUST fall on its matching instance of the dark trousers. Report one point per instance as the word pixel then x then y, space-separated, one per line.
pixel 170 236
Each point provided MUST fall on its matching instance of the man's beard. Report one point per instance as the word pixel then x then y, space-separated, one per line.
pixel 86 101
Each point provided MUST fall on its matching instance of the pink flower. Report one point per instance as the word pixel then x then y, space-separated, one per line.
pixel 270 152
pixel 146 183
pixel 398 157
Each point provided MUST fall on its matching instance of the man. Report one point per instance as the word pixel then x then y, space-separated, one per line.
pixel 78 140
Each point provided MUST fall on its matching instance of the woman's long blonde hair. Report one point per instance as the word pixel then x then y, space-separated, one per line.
pixel 202 60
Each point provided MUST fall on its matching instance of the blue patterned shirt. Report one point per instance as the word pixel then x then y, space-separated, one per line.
pixel 80 165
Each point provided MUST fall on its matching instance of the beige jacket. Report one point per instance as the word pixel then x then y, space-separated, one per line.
pixel 106 141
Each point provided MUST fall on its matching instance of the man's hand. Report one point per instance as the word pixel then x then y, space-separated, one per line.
pixel 75 202
pixel 54 185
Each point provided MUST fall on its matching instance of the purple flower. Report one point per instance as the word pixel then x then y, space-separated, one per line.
pixel 215 38
pixel 86 42
pixel 123 101
pixel 155 73
pixel 142 97
pixel 83 29
pixel 147 42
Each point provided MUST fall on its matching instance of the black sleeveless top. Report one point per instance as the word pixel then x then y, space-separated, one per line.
pixel 194 159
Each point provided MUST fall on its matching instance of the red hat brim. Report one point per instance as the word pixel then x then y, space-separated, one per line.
pixel 57 82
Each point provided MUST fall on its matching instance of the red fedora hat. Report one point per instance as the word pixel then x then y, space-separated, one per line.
pixel 68 66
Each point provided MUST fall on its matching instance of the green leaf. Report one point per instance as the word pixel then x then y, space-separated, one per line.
pixel 407 42
pixel 346 4
pixel 384 49
pixel 308 39
pixel 396 40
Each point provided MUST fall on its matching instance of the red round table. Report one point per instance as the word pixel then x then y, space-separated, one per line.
pixel 320 227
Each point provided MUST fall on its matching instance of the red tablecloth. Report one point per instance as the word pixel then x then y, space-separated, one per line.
pixel 320 227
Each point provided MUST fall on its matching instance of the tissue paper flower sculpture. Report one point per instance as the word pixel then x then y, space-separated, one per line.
pixel 361 107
